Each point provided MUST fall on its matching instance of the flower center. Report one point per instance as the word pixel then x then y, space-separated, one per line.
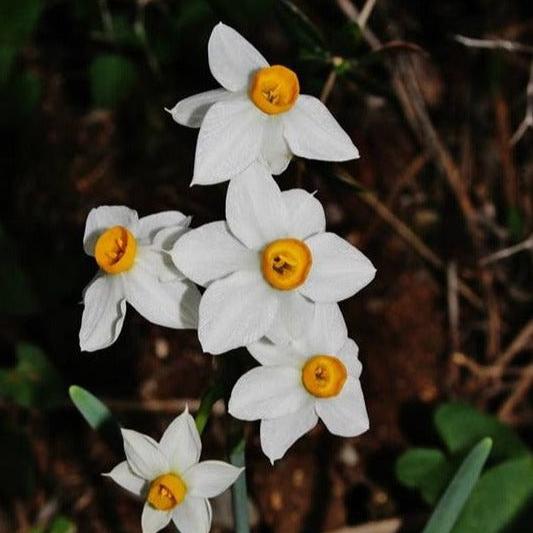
pixel 115 250
pixel 166 492
pixel 274 89
pixel 324 376
pixel 286 263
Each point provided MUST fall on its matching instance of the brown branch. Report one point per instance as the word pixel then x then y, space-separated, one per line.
pixel 520 392
pixel 527 122
pixel 508 252
pixel 520 342
pixel 494 44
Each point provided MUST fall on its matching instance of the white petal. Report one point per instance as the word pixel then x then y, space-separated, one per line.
pixel 339 269
pixel 181 443
pixel 345 414
pixel 268 392
pixel 173 304
pixel 348 355
pixel 232 59
pixel 157 263
pixel 235 311
pixel 193 515
pixel 255 210
pixel 268 353
pixel 167 237
pixel 103 314
pixel 191 111
pixel 326 332
pixel 105 217
pixel 229 140
pixel 151 225
pixel 306 214
pixel 211 252
pixel 144 456
pixel 210 478
pixel 123 475
pixel 153 520
pixel 275 152
pixel 312 132
pixel 279 434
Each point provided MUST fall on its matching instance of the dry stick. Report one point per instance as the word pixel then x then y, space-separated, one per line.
pixel 508 252
pixel 366 12
pixel 519 393
pixel 391 525
pixel 409 236
pixel 453 307
pixel 519 343
pixel 330 83
pixel 494 44
pixel 528 118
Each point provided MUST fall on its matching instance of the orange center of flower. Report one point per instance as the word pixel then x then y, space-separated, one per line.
pixel 324 376
pixel 274 89
pixel 115 250
pixel 286 263
pixel 166 492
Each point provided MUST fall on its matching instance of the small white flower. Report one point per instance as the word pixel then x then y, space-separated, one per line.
pixel 134 267
pixel 170 478
pixel 314 376
pixel 267 265
pixel 259 115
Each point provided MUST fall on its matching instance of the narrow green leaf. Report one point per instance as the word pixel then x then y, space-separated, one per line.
pixel 214 393
pixel 453 500
pixel 92 409
pixel 239 490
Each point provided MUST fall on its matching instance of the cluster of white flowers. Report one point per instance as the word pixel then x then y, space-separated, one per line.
pixel 272 275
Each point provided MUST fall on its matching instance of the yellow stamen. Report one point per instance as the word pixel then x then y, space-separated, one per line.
pixel 286 263
pixel 274 89
pixel 115 250
pixel 166 492
pixel 324 376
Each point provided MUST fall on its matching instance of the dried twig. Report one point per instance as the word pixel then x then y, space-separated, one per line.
pixel 366 12
pixel 520 391
pixel 390 525
pixel 527 122
pixel 494 44
pixel 520 342
pixel 453 307
pixel 508 252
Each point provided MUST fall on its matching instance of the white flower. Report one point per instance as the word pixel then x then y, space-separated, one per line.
pixel 258 115
pixel 135 268
pixel 170 478
pixel 266 266
pixel 314 376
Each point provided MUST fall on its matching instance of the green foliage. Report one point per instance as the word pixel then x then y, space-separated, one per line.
pixel 515 223
pixel 92 409
pixel 33 382
pixel 60 524
pixel 214 393
pixel 112 78
pixel 17 20
pixel 452 502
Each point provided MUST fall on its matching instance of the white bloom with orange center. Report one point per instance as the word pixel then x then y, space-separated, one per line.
pixel 134 267
pixel 266 266
pixel 258 115
pixel 314 376
pixel 174 485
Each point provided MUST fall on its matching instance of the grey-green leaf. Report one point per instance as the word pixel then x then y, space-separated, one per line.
pixel 92 409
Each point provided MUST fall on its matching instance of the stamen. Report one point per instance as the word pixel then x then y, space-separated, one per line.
pixel 324 376
pixel 115 250
pixel 274 89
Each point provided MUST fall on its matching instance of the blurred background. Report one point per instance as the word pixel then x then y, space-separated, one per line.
pixel 438 97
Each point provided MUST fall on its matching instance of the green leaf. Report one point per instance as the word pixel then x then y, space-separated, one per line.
pixel 61 524
pixel 461 426
pixel 214 393
pixel 500 499
pixel 17 20
pixel 425 469
pixel 515 223
pixel 112 78
pixel 92 409
pixel 452 502
pixel 7 56
pixel 33 382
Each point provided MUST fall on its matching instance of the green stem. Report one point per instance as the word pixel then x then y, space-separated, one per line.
pixel 239 490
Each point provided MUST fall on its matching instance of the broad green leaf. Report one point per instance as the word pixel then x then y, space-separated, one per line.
pixel 92 409
pixel 60 524
pixel 33 382
pixel 461 426
pixel 112 78
pixel 17 20
pixel 454 498
pixel 425 469
pixel 500 500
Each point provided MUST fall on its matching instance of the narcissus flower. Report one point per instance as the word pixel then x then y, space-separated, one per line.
pixel 134 267
pixel 169 477
pixel 259 115
pixel 267 265
pixel 315 376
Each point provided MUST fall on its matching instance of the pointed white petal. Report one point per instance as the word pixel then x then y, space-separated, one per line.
pixel 173 304
pixel 210 478
pixel 275 152
pixel 345 414
pixel 191 111
pixel 229 140
pixel 123 475
pixel 157 263
pixel 143 454
pixel 255 210
pixel 313 133
pixel 235 311
pixel 348 354
pixel 269 354
pixel 268 392
pixel 326 332
pixel 103 314
pixel 152 224
pixel 181 443
pixel 167 237
pixel 232 59
pixel 211 252
pixel 339 269
pixel 279 434
pixel 306 214
pixel 105 217
pixel 153 520
pixel 193 515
